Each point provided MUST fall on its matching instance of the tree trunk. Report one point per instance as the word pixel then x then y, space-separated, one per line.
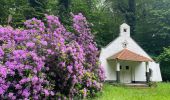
pixel 131 17
pixel 128 9
pixel 64 6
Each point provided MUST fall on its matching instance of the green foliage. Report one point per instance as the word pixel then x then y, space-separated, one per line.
pixel 104 22
pixel 164 59
pixel 153 25
pixel 3 12
pixel 37 8
pixel 152 84
pixel 15 12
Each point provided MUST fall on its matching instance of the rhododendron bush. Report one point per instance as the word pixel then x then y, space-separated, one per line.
pixel 45 61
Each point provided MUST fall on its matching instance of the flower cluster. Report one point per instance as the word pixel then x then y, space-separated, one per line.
pixel 21 67
pixel 47 61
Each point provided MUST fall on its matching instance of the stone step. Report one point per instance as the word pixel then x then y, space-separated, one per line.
pixel 136 85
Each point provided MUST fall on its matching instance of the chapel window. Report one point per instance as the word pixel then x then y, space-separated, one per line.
pixel 120 67
pixel 125 30
pixel 127 67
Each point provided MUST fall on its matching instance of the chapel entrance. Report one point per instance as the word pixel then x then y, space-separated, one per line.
pixel 125 74
pixel 122 58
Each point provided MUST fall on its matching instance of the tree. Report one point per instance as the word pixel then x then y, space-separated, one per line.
pixel 37 8
pixel 21 10
pixel 3 12
pixel 164 59
pixel 128 10
pixel 153 26
pixel 64 10
pixel 104 22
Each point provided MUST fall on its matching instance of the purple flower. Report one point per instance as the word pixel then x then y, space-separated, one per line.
pixel 35 97
pixel 62 64
pixel 10 95
pixel 1 52
pixel 34 80
pixel 49 51
pixel 23 81
pixel 49 17
pixel 13 97
pixel 52 93
pixel 43 42
pixel 88 83
pixel 70 69
pixel 30 44
pixel 20 53
pixel 74 79
pixel 25 93
pixel 3 71
pixel 46 92
pixel 84 92
pixel 18 86
pixel 1 91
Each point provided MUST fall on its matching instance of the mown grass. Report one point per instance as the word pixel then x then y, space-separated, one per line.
pixel 110 92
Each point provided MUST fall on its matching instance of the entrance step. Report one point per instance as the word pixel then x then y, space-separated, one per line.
pixel 136 85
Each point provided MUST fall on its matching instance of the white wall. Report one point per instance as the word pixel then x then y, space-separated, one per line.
pixel 156 75
pixel 139 71
pixel 111 70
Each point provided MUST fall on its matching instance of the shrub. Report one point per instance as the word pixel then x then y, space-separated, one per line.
pixel 164 59
pixel 47 61
pixel 152 84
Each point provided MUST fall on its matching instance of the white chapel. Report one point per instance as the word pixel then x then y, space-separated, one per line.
pixel 124 61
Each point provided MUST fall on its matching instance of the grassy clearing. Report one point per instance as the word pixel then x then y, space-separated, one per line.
pixel 110 92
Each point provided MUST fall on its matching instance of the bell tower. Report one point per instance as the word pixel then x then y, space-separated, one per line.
pixel 125 30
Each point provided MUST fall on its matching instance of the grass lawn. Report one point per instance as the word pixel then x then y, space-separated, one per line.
pixel 110 92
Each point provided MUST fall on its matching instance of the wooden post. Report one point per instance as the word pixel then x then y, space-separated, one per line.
pixel 147 73
pixel 117 71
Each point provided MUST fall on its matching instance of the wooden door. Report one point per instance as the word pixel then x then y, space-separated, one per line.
pixel 125 74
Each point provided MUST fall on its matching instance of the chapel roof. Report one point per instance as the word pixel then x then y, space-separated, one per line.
pixel 126 54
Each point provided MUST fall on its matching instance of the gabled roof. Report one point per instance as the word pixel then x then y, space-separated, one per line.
pixel 126 54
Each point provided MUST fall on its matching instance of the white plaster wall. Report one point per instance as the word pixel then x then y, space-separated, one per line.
pixel 140 71
pixel 116 46
pixel 156 72
pixel 133 46
pixel 111 69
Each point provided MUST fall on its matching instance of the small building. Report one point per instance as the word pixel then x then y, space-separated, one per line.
pixel 125 61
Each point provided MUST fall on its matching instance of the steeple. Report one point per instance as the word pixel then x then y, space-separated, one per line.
pixel 125 30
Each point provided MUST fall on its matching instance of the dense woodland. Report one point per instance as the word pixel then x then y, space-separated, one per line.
pixel 149 20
